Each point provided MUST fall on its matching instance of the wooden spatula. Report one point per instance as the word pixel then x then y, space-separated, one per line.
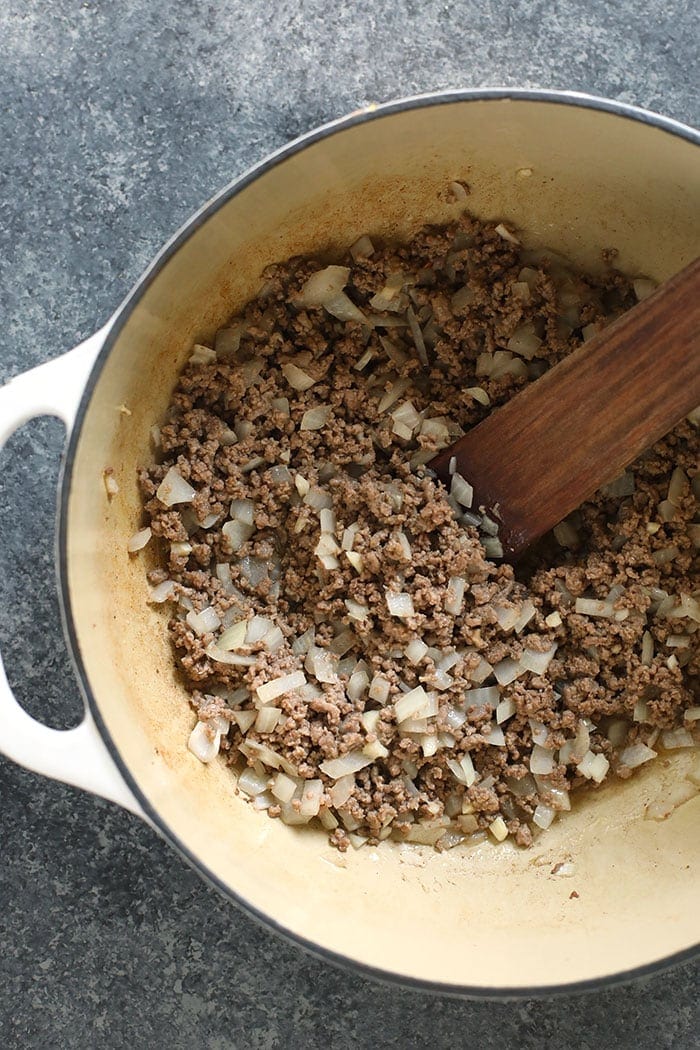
pixel 577 427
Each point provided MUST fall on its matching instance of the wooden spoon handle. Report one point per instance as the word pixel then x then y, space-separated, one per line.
pixel 554 444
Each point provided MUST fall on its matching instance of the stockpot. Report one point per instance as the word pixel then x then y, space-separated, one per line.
pixel 576 175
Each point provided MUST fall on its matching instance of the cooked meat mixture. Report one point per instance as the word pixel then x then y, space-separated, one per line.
pixel 351 642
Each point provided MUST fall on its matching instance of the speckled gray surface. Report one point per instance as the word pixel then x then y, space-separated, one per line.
pixel 117 120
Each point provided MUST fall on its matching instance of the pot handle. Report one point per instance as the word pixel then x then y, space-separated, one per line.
pixel 76 756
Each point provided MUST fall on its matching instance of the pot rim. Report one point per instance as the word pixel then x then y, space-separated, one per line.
pixel 197 220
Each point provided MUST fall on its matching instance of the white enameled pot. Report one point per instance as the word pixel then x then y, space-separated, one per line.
pixel 578 174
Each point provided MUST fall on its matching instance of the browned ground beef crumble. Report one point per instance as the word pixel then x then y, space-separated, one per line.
pixel 234 432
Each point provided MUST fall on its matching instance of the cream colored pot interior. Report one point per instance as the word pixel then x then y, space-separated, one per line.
pixel 490 916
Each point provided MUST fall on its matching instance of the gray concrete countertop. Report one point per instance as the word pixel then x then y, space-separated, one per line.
pixel 117 120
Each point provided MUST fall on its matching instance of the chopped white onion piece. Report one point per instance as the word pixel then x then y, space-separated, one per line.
pixel 280 686
pixel 111 484
pixel 375 750
pixel 553 620
pixel 355 559
pixel 593 767
pixel 342 790
pixel 139 540
pixel 671 739
pixel 481 672
pixel 505 709
pixel 352 762
pixel 202 355
pixel 379 689
pixel 323 285
pixel 593 607
pixel 233 659
pixel 537 663
pixel 527 611
pixel 692 714
pixel 455 593
pixel 297 378
pixel 643 287
pixel 508 670
pixel 416 703
pixel 358 682
pixel 243 510
pixel 506 234
pixel 204 743
pixel 543 816
pixel 498 829
pixel 244 719
pixel 252 782
pixel 311 796
pixel 304 642
pixel 525 341
pixel 204 622
pixel 315 418
pixel 416 650
pixel 162 591
pixel 267 719
pixel 479 394
pixel 539 732
pixel 399 604
pixel 488 695
pixel 495 736
pixel 362 248
pixel 174 489
pixel 461 490
pixel 237 533
pixel 321 664
pixel 356 611
pixel 233 637
pixel 541 761
pixel 284 787
pixel 492 546
pixel 641 711
pixel 636 755
pixel 349 536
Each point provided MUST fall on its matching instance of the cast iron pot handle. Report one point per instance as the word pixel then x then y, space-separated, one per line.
pixel 75 756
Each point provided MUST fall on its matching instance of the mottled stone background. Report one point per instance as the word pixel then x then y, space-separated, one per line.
pixel 117 119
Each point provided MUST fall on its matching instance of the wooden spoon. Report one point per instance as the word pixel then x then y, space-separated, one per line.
pixel 553 445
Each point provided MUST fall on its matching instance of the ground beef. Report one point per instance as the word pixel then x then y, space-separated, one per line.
pixel 346 515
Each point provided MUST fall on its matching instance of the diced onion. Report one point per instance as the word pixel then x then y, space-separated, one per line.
pixel 593 607
pixel 280 686
pixel 498 829
pixel 233 637
pixel 505 709
pixel 541 761
pixel 237 533
pixel 671 739
pixel 399 604
pixel 204 622
pixel 417 703
pixel 379 689
pixel 508 670
pixel 636 755
pixel 297 378
pixel 204 743
pixel 347 764
pixel 162 591
pixel 356 611
pixel 462 491
pixel 455 594
pixel 537 663
pixel 315 418
pixel 543 816
pixel 174 489
pixel 593 767
pixel 138 541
